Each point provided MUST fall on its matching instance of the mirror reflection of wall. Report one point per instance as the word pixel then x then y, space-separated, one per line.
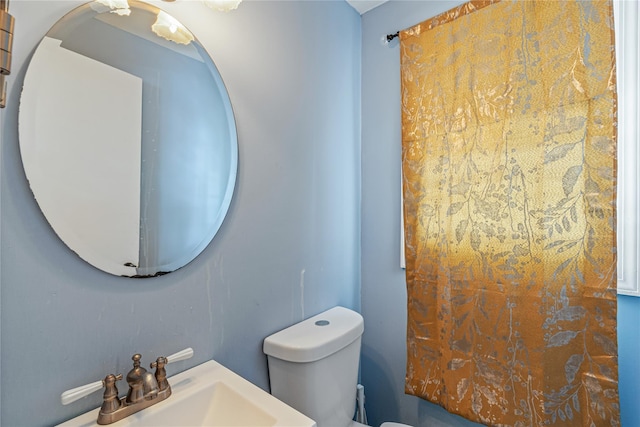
pixel 104 145
pixel 186 145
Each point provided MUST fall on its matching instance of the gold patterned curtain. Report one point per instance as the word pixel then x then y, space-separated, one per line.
pixel 509 164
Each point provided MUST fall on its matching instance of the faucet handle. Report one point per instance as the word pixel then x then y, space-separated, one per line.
pixel 80 392
pixel 74 394
pixel 187 353
pixel 161 374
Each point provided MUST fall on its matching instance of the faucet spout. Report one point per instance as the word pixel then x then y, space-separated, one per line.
pixel 149 386
pixel 135 380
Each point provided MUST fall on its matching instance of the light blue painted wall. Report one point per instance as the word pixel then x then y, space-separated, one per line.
pixel 288 249
pixel 383 282
pixel 628 361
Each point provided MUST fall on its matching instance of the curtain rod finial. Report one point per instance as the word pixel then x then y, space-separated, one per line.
pixel 387 38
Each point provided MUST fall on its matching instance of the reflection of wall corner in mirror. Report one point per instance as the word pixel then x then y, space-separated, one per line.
pixel 6 42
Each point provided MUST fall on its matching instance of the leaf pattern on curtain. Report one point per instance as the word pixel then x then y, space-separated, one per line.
pixel 509 164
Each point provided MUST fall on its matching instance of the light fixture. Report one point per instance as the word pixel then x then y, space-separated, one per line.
pixel 6 43
pixel 119 7
pixel 168 27
pixel 222 5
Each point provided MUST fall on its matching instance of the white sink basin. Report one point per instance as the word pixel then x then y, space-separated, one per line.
pixel 209 395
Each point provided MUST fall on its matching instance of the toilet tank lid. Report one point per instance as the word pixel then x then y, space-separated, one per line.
pixel 316 337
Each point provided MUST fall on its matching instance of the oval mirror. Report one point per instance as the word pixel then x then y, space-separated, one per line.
pixel 127 138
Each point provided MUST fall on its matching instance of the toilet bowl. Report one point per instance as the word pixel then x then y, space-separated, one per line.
pixel 313 366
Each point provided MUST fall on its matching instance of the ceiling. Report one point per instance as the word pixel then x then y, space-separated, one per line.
pixel 363 6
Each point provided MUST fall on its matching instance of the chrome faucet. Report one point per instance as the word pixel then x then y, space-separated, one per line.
pixel 145 389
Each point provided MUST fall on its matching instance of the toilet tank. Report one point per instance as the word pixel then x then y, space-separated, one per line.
pixel 313 365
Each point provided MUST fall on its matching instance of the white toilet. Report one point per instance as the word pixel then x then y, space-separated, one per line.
pixel 313 366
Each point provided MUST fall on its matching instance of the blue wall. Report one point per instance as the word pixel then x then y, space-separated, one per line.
pixel 290 246
pixel 628 361
pixel 288 249
pixel 383 282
